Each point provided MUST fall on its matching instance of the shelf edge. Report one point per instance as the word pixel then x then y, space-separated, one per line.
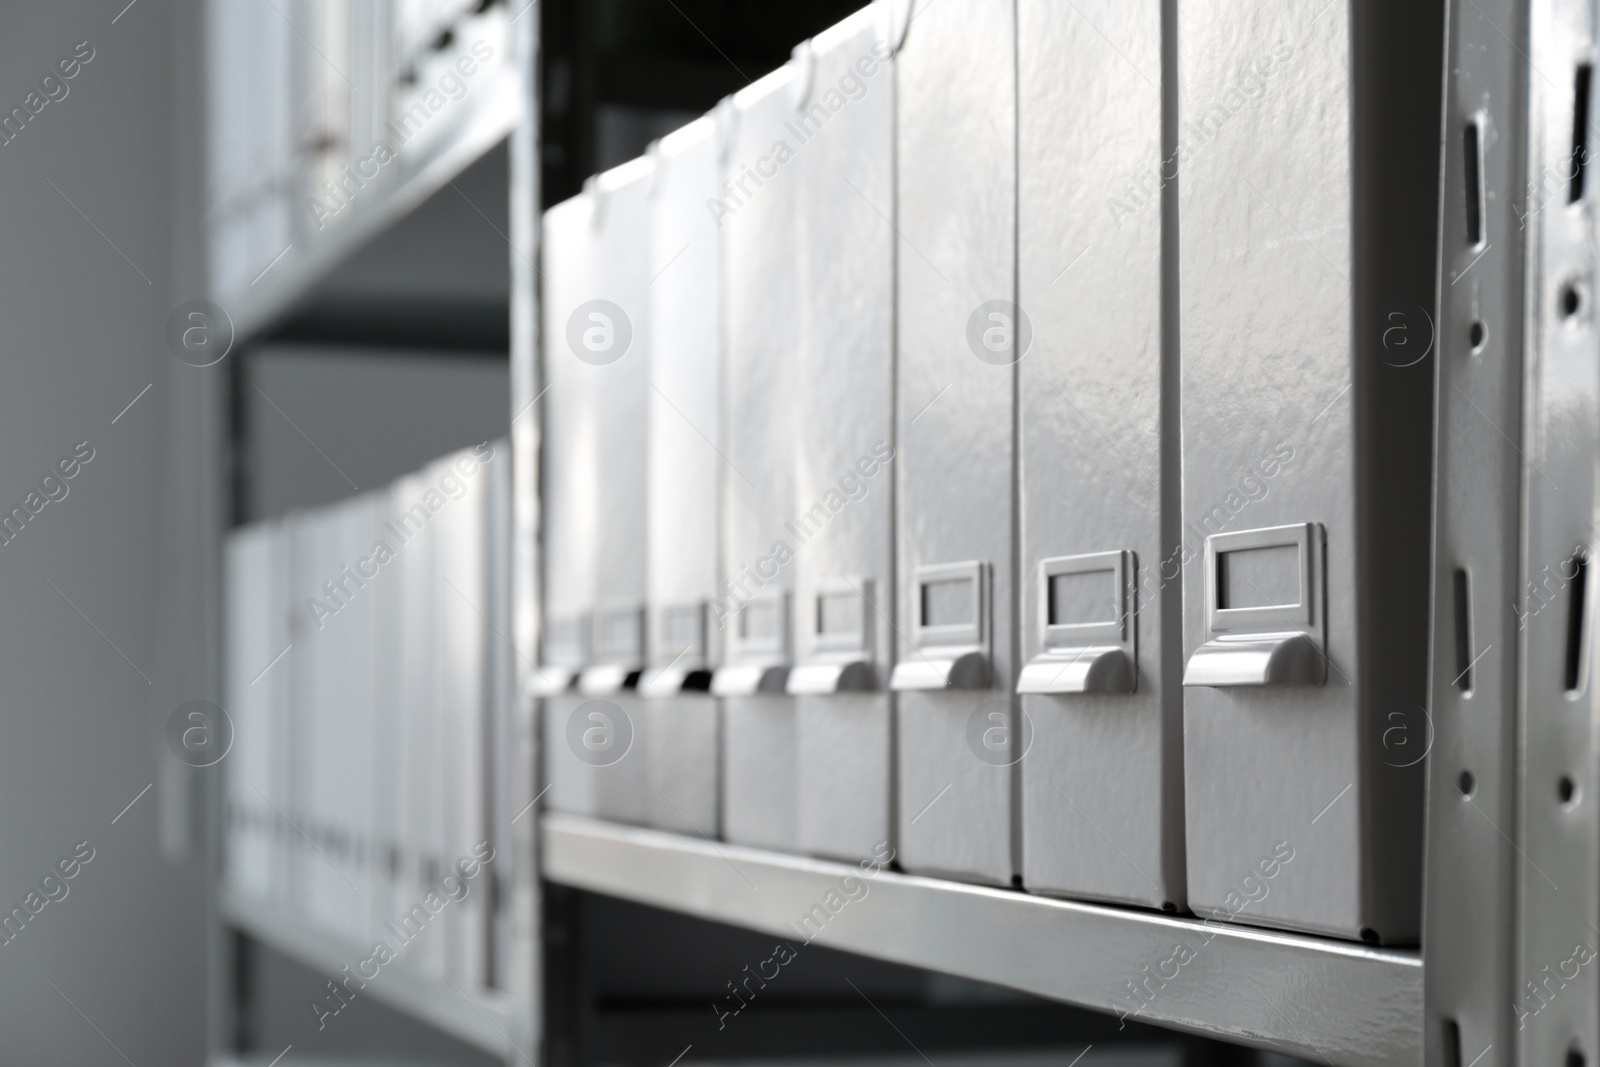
pixel 484 1022
pixel 1335 1002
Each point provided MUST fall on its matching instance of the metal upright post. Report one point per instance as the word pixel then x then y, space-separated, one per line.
pixel 1477 337
pixel 1555 983
pixel 523 975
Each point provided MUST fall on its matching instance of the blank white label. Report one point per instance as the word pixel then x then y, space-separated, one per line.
pixel 681 628
pixel 759 621
pixel 1267 577
pixel 1083 598
pixel 838 614
pixel 948 602
pixel 619 633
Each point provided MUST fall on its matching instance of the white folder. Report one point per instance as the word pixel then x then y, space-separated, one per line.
pixel 1101 676
pixel 504 738
pixel 453 643
pixel 684 474
pixel 1306 457
pixel 333 712
pixel 387 592
pixel 354 711
pixel 569 512
pixel 247 579
pixel 301 809
pixel 958 722
pixel 619 385
pixel 275 676
pixel 844 478
pixel 757 216
pixel 460 630
pixel 422 794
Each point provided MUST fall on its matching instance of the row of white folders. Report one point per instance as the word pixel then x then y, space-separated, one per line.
pixel 366 683
pixel 923 465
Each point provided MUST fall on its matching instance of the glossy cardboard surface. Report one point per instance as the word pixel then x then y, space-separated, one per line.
pixel 1102 808
pixel 956 216
pixel 1307 202
pixel 685 472
pixel 844 482
pixel 761 250
pixel 570 466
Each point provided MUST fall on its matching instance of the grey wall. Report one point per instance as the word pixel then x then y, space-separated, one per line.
pixel 105 625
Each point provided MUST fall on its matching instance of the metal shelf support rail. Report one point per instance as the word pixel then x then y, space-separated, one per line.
pixel 1328 1001
pixel 1469 881
pixel 521 923
pixel 1555 987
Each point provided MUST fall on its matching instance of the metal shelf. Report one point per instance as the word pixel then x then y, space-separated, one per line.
pixel 492 117
pixel 485 1021
pixel 1334 1002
